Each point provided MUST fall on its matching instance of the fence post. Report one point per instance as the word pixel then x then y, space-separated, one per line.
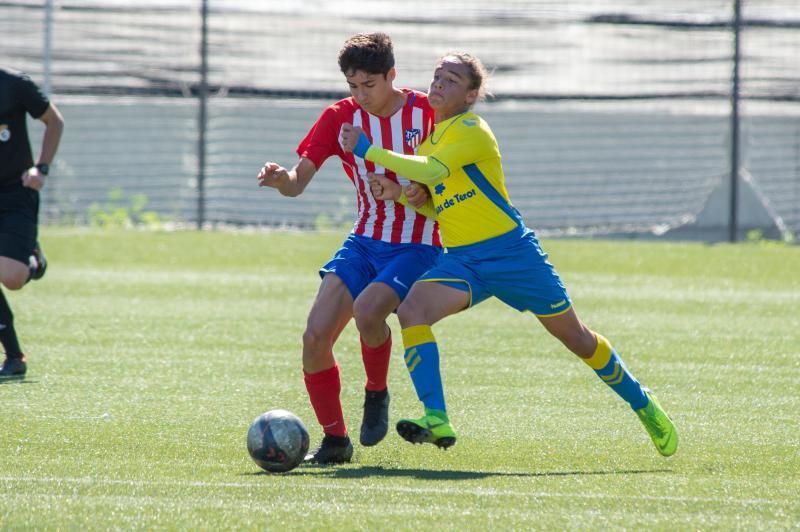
pixel 733 221
pixel 202 118
pixel 48 193
pixel 47 46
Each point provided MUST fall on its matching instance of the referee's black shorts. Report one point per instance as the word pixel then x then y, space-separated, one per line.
pixel 19 214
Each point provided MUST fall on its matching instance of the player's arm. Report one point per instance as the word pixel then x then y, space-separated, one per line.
pixel 425 170
pixel 288 182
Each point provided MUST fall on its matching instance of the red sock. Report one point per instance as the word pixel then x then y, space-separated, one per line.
pixel 376 364
pixel 323 390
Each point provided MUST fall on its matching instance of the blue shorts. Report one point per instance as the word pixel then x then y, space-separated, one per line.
pixel 511 267
pixel 362 260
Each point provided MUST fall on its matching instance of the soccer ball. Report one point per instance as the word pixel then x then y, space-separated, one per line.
pixel 277 441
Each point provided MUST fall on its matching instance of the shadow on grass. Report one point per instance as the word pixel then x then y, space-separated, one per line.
pixel 16 379
pixel 348 472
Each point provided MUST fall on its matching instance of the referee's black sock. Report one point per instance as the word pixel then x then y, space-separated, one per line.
pixel 8 335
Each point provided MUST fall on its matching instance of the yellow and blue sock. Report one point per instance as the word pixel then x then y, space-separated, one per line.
pixel 422 361
pixel 611 370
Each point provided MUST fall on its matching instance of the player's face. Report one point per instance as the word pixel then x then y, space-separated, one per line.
pixel 449 93
pixel 373 92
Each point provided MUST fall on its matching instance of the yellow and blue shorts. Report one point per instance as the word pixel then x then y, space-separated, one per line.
pixel 511 267
pixel 362 260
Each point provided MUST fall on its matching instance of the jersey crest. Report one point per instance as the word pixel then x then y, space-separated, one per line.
pixel 413 138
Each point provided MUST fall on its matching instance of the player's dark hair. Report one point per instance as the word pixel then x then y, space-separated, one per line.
pixel 372 53
pixel 478 76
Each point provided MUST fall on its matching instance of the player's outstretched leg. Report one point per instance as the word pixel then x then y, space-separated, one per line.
pixel 658 424
pixel 434 427
pixel 608 365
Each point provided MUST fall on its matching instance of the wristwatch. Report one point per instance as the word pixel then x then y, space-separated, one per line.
pixel 43 168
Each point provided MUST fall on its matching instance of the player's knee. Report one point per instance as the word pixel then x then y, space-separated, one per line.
pixel 13 281
pixel 410 313
pixel 366 323
pixel 316 341
pixel 368 315
pixel 363 307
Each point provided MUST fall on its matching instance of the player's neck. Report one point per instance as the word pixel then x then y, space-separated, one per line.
pixel 444 116
pixel 393 104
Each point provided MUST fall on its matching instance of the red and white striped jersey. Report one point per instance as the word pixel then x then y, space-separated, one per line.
pixel 402 132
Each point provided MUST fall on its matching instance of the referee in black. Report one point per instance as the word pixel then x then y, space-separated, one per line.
pixel 21 259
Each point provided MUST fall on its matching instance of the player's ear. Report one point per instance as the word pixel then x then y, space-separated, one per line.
pixel 472 96
pixel 391 75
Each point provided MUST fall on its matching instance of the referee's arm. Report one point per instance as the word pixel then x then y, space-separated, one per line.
pixel 54 127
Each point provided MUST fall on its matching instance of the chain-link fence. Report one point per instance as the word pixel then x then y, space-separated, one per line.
pixel 613 117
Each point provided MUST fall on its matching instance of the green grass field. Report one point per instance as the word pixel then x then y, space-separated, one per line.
pixel 151 353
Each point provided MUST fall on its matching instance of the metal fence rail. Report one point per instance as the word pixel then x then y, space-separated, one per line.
pixel 612 117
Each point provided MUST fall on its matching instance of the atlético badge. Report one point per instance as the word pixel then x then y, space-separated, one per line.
pixel 413 138
pixel 5 133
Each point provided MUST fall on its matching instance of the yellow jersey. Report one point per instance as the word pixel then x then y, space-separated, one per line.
pixel 471 203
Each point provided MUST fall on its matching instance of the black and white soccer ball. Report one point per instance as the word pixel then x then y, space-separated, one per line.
pixel 277 441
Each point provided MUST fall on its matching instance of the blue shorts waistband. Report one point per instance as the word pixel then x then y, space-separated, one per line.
pixel 504 239
pixel 368 240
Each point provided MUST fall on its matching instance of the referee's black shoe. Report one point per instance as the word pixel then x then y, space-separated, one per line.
pixel 14 367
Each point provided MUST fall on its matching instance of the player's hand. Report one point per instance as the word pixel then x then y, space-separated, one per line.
pixel 32 178
pixel 272 175
pixel 417 194
pixel 375 186
pixel 383 188
pixel 348 137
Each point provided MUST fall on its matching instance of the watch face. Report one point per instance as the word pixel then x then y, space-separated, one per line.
pixel 43 168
